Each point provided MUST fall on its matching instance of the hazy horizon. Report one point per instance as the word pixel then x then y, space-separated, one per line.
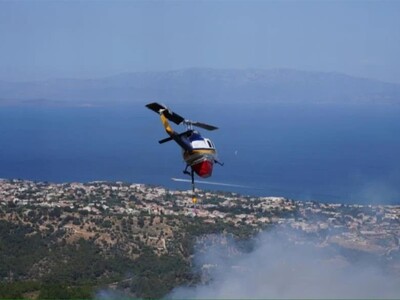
pixel 82 39
pixel 250 69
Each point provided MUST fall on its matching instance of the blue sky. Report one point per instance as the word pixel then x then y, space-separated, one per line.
pixel 86 39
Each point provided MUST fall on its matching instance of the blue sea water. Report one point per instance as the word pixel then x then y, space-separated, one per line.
pixel 331 153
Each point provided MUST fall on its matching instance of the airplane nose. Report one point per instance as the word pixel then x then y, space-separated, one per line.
pixel 203 169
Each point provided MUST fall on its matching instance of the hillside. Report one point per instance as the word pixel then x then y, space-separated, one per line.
pixel 206 85
pixel 75 240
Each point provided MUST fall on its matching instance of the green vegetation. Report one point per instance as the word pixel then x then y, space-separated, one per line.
pixel 44 264
pixel 158 275
pixel 196 227
pixel 77 270
pixel 20 248
pixel 18 289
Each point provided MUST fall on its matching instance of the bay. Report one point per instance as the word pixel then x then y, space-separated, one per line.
pixel 322 152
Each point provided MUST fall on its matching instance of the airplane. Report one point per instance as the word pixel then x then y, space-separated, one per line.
pixel 198 152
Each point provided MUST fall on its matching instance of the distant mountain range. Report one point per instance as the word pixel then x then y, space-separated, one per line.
pixel 206 85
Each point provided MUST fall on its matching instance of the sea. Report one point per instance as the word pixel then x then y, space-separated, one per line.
pixel 347 153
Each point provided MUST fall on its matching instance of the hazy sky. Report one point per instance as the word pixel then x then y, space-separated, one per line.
pixel 83 39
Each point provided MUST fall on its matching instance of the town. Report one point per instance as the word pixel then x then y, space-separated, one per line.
pixel 370 228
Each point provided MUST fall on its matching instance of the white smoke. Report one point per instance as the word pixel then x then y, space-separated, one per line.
pixel 279 268
pixel 378 192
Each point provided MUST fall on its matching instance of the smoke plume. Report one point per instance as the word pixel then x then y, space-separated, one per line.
pixel 284 265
